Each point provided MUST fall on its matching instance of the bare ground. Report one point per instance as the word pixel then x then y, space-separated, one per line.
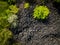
pixel 36 32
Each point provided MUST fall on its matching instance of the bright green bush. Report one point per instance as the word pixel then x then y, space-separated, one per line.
pixel 13 9
pixel 26 5
pixel 3 16
pixel 13 20
pixel 3 22
pixel 5 34
pixel 41 12
pixel 8 16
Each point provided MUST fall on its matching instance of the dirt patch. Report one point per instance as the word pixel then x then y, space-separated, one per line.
pixel 36 32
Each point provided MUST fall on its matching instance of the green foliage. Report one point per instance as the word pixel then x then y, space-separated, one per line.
pixel 3 22
pixel 41 12
pixel 13 20
pixel 3 6
pixel 3 16
pixel 7 16
pixel 5 34
pixel 57 1
pixel 13 9
pixel 26 5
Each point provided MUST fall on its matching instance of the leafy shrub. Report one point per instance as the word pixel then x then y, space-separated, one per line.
pixel 5 34
pixel 13 20
pixel 3 17
pixel 3 6
pixel 8 14
pixel 41 12
pixel 26 5
pixel 3 22
pixel 13 9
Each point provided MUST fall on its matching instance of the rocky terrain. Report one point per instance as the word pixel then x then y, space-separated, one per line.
pixel 36 32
